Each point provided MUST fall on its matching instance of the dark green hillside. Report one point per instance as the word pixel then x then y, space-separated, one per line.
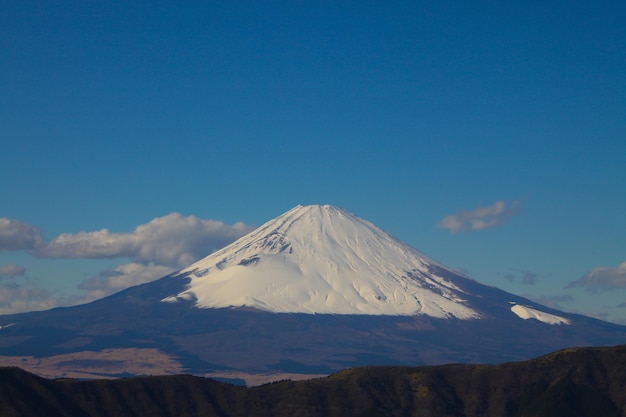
pixel 589 382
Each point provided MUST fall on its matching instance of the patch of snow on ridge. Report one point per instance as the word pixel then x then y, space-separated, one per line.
pixel 526 313
pixel 323 259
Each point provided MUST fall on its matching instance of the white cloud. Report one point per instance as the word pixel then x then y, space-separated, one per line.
pixel 121 277
pixel 17 235
pixel 602 278
pixel 100 244
pixel 156 249
pixel 480 218
pixel 172 240
pixel 18 298
pixel 12 270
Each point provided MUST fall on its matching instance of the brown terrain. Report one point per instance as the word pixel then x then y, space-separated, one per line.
pixel 115 363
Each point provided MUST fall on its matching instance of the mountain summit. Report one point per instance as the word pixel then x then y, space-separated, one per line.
pixel 324 260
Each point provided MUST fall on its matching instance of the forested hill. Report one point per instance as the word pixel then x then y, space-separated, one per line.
pixel 570 383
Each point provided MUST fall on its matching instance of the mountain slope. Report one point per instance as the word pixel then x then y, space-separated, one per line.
pixel 324 260
pixel 313 291
pixel 576 382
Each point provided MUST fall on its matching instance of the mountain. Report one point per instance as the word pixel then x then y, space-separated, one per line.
pixel 572 383
pixel 324 260
pixel 311 292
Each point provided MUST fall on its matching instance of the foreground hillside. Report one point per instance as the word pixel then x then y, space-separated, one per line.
pixel 571 383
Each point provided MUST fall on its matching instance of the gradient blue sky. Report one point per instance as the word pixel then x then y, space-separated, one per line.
pixel 489 135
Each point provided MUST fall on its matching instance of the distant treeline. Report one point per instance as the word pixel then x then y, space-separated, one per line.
pixel 582 382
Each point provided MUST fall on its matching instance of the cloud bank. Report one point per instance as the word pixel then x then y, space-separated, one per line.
pixel 155 249
pixel 121 277
pixel 11 271
pixel 17 235
pixel 480 218
pixel 602 278
pixel 173 240
pixel 18 297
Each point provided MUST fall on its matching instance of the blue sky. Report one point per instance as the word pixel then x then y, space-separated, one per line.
pixel 138 137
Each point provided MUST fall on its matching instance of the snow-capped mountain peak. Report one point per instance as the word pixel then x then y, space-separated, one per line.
pixel 381 302
pixel 323 259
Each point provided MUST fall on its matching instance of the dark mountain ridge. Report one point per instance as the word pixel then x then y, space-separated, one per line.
pixel 577 382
